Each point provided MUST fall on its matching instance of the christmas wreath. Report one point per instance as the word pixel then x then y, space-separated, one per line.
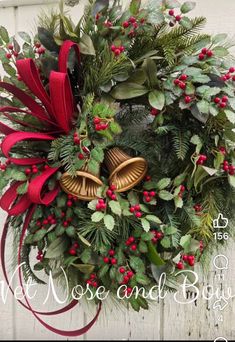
pixel 120 150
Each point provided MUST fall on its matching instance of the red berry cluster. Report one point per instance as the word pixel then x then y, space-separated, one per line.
pixel 221 102
pixel 222 149
pixel 175 19
pixel 11 52
pixel 74 248
pixel 76 138
pixel 67 222
pixel 100 125
pixel 205 53
pixel 148 195
pixel 131 243
pixel 110 259
pixel 101 205
pixel 33 170
pixel 201 159
pixel 189 259
pixel 157 236
pixel 154 111
pixel 39 257
pixel 3 167
pixel 180 82
pixel 117 50
pixel 49 220
pixel 38 48
pixel 127 275
pixel 229 168
pixel 147 178
pixel 92 281
pixel 228 75
pixel 132 24
pixel 135 209
pixel 108 24
pixel 110 192
pixel 182 190
pixel 71 200
pixel 197 207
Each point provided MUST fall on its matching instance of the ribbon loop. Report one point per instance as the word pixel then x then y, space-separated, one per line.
pixel 8 204
pixel 64 54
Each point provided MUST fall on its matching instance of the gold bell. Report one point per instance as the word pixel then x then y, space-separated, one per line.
pixel 125 171
pixel 84 185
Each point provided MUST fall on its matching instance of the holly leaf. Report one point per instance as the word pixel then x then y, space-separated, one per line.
pixel 163 183
pixel 145 224
pixel 143 247
pixel 97 216
pixel 230 115
pixel 165 195
pixel 70 231
pixel 142 279
pixel 39 235
pixel 137 264
pixel 115 207
pixel 25 36
pixel 4 34
pixel 178 202
pixel 23 188
pixel 109 222
pixel 153 218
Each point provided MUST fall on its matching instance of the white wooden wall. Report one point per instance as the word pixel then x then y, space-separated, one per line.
pixel 166 320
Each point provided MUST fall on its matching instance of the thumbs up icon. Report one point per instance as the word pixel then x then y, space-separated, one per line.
pixel 220 222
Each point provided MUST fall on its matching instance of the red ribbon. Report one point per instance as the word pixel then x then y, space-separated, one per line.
pixel 64 54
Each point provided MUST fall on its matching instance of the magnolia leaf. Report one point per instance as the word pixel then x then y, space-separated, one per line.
pixel 153 255
pixel 86 45
pixel 109 222
pixel 57 248
pixel 210 170
pixel 128 90
pixel 135 6
pixel 97 216
pixel 198 115
pixel 172 3
pixel 157 99
pixel 188 6
pixel 25 36
pixel 4 34
pixel 47 39
pixel 139 76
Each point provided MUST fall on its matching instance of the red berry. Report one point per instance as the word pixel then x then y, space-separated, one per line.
pixel 122 270
pixel 94 284
pixel 180 265
pixel 117 52
pixel 37 45
pixel 92 276
pixel 113 261
pixel 69 203
pixel 132 209
pixel 113 48
pixel 232 69
pixel 182 85
pixel 226 167
pixel 133 247
pixel 81 156
pixel 182 188
pixel 171 24
pixel 204 51
pixel 171 12
pixel 10 47
pixel 35 170
pixel 111 252
pixel 45 222
pixel 177 81
pixel 129 290
pixel 96 120
pixel 154 112
pixel 148 199
pixel 148 178
pixel 125 279
pixel 8 55
pixel 106 260
pixel 76 245
pixel 228 76
pixel 89 282
pixel 154 240
pixel 15 53
pixel 178 17
pixel 137 207
pixel 222 104
pixel 72 251
pixel 27 171
pixel 231 170
pixel 187 99
pixel 201 57
pixel 138 214
pixel 113 187
pixel 224 78
pixel 109 192
pixel 209 53
pixel 183 77
pixel 131 239
pixel 114 197
pixel 145 193
pixel 130 274
pixel 152 193
pixel 132 20
pixel 222 150
pixel 225 98
pixel 125 24
pixel 41 50
pixel 159 235
pixel 185 257
pixel 217 100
